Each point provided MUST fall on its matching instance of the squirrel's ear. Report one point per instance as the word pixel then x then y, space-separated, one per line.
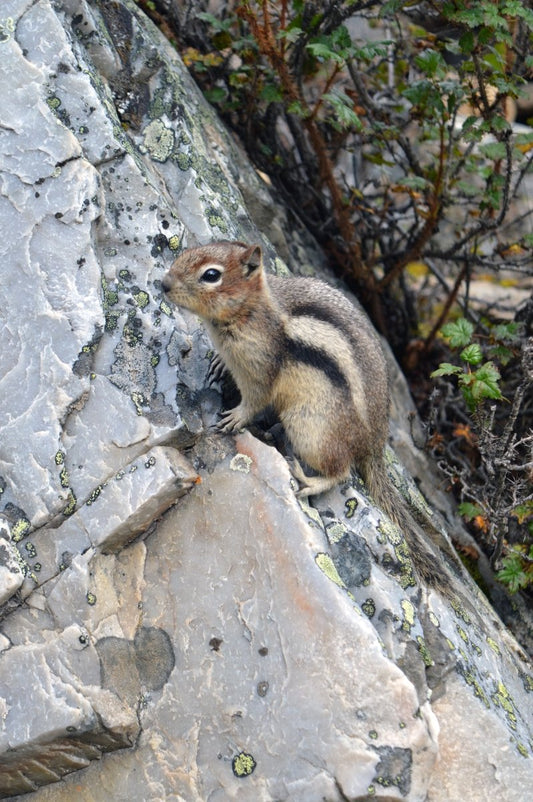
pixel 252 259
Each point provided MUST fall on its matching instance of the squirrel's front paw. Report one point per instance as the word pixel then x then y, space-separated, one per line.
pixel 216 371
pixel 233 420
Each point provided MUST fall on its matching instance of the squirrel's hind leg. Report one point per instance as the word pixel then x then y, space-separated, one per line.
pixel 312 485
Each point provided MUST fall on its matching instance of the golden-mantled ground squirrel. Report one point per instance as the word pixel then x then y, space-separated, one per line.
pixel 298 345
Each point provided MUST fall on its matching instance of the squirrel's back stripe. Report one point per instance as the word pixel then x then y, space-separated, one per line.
pixel 316 358
pixel 318 311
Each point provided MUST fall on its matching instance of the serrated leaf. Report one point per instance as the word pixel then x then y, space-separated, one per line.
pixel 494 150
pixel 485 384
pixel 430 62
pixel 458 333
pixel 506 332
pixel 446 369
pixel 472 354
pixel 512 574
pixel 322 51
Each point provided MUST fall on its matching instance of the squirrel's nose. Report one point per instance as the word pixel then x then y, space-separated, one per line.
pixel 166 283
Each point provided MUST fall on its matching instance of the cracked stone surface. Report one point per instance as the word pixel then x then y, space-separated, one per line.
pixel 175 625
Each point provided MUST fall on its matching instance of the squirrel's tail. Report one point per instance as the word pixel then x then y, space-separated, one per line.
pixel 388 498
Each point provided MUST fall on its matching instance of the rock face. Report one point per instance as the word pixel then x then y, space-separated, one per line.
pixel 175 623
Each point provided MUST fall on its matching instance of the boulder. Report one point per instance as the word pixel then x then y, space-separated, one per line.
pixel 176 624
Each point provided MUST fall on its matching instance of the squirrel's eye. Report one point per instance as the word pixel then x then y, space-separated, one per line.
pixel 211 275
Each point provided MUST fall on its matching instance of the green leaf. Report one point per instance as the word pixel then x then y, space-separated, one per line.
pixel 485 384
pixel 472 354
pixel 494 150
pixel 431 63
pixel 506 332
pixel 446 369
pixel 512 574
pixel 343 108
pixel 216 95
pixel 459 333
pixel 324 52
pixel 469 511
pixel 501 353
pixel 271 93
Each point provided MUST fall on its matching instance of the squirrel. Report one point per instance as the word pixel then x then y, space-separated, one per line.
pixel 300 346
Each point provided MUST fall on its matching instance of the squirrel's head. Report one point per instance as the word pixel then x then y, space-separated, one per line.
pixel 216 281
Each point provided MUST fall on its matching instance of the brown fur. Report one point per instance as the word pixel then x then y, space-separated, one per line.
pixel 299 345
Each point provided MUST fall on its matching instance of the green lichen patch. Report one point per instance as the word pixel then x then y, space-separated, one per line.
pixel 243 765
pixel 527 679
pixel 459 610
pixel 472 681
pixel 20 529
pixel 407 576
pixel 174 242
pixel 434 620
pixel 94 495
pixel 91 598
pixel 409 614
pixel 215 220
pixel 327 566
pixel 336 531
pixel 503 699
pixel 183 160
pixel 7 28
pixel 394 769
pixel 166 308
pixel 139 401
pixel 158 141
pixel 241 463
pixel 64 479
pixel 462 633
pixel 59 458
pixel 70 506
pixel 30 548
pixel 109 296
pixel 424 651
pixel 350 506
pixel 141 298
pixel 369 608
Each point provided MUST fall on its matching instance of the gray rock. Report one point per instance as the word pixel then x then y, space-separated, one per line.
pixel 166 598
